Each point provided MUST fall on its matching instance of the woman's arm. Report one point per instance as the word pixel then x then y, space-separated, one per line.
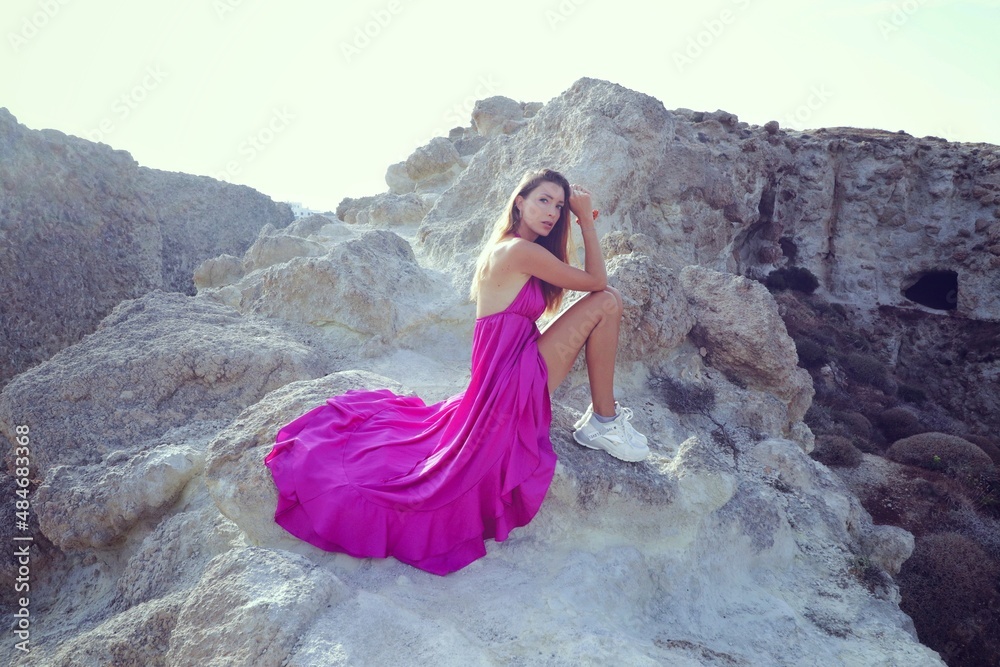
pixel 593 261
pixel 535 260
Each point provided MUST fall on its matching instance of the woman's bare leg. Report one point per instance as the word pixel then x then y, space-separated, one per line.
pixel 592 322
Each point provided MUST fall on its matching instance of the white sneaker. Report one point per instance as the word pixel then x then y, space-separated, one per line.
pixel 626 413
pixel 612 437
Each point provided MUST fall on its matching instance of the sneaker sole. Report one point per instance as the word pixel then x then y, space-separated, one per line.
pixel 610 453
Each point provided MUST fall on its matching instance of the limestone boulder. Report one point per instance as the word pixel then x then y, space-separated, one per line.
pixel 308 226
pixel 157 363
pixel 218 272
pixel 384 210
pixel 398 180
pixel 737 322
pixel 271 248
pixel 656 318
pixel 250 607
pixel 352 290
pixel 497 115
pixel 171 557
pixel 201 217
pixel 138 636
pixel 92 506
pixel 434 165
pixel 157 375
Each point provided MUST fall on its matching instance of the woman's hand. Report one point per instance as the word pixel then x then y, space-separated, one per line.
pixel 580 203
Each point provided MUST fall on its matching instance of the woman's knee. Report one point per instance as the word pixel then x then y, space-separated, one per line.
pixel 610 302
pixel 618 296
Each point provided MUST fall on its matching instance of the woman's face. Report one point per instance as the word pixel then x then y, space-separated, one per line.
pixel 541 208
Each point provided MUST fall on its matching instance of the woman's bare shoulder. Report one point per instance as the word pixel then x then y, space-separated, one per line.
pixel 501 281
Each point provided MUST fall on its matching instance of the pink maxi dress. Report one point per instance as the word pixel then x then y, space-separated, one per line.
pixel 373 474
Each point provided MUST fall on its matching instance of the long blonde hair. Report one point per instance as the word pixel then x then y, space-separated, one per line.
pixel 509 221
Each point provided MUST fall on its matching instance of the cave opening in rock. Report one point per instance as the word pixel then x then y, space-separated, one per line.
pixel 766 205
pixel 934 289
pixel 788 248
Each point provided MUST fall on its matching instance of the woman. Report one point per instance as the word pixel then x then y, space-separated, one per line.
pixel 374 474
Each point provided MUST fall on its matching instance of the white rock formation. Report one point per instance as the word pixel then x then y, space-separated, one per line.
pixel 729 546
pixel 867 211
pixel 85 227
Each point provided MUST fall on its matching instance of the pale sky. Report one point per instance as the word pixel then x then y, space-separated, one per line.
pixel 311 101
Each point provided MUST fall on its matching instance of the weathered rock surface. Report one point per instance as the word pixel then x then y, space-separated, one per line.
pixel 655 312
pixel 84 227
pixel 253 602
pixel 362 288
pixel 736 320
pixel 868 212
pixel 497 115
pixel 130 407
pixel 385 210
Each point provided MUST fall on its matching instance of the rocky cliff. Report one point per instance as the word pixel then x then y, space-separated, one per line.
pixel 84 227
pixel 152 511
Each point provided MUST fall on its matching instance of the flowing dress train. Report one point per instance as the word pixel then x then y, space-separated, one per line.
pixel 373 474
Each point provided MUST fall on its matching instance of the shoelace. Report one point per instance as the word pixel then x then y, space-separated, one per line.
pixel 628 428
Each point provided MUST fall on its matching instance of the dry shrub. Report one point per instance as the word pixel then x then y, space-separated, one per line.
pixel 869 446
pixel 852 426
pixel 819 418
pixel 856 423
pixel 916 499
pixel 911 394
pixel 869 401
pixel 811 354
pixel 897 423
pixel 683 397
pixel 940 451
pixel 987 445
pixel 834 450
pixel 867 369
pixel 949 589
